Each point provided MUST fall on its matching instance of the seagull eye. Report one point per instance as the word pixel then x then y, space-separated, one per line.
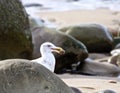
pixel 48 45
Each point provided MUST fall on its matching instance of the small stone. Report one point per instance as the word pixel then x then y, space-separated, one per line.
pixel 112 81
pixel 107 91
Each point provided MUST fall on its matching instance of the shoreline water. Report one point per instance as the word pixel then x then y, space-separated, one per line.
pixel 71 12
pixel 62 5
pixel 70 5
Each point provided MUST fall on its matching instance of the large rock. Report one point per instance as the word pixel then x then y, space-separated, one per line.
pixel 75 50
pixel 96 37
pixel 23 76
pixel 15 36
pixel 92 67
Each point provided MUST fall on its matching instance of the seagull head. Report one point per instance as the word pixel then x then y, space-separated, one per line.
pixel 48 47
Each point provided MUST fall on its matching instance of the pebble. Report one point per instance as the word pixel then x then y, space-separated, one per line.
pixel 107 91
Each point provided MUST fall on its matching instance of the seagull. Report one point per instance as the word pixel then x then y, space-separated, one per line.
pixel 47 58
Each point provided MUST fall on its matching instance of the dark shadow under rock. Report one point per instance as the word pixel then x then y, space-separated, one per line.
pixel 76 90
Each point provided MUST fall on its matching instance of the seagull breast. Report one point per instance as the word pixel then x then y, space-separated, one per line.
pixel 47 58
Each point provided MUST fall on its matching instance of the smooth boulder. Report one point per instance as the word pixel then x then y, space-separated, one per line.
pixel 96 37
pixel 15 35
pixel 74 50
pixel 23 76
pixel 92 67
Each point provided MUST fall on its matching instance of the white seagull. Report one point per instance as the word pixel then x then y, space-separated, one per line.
pixel 47 58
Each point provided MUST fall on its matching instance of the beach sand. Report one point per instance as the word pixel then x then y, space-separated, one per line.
pixel 105 17
pixel 87 84
pixel 91 84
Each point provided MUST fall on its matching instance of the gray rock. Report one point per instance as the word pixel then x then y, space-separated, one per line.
pixel 92 67
pixel 96 37
pixel 15 35
pixel 74 50
pixel 107 91
pixel 23 76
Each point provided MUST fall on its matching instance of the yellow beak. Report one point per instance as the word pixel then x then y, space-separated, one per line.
pixel 58 50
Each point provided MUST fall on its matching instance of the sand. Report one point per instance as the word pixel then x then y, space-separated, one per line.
pixel 105 17
pixel 91 84
pixel 87 84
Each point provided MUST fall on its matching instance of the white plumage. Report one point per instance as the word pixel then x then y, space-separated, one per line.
pixel 115 52
pixel 47 58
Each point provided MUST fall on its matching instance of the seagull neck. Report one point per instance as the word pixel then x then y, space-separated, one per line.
pixel 48 54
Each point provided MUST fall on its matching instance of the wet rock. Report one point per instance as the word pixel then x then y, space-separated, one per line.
pixel 15 35
pixel 23 76
pixel 96 37
pixel 92 67
pixel 74 50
